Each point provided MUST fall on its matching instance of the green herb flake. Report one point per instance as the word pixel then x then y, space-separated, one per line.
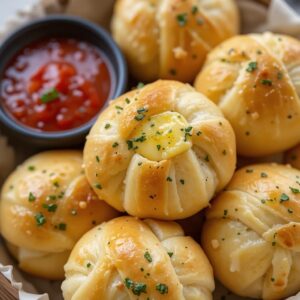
pixel 50 96
pixel 140 85
pixel 119 107
pixel 31 168
pixel 50 207
pixel 194 9
pixel 98 186
pixel 88 265
pixel 40 219
pixel 294 190
pixel 169 179
pixel 127 100
pixel 129 144
pixel 137 288
pixel 162 288
pixel 97 158
pixel 266 82
pixel 284 197
pixel 115 144
pixel 181 19
pixel 107 126
pixel 263 175
pixel 158 147
pixel 148 256
pixel 170 254
pixel 51 197
pixel 31 197
pixel 62 226
pixel 252 66
pixel 279 75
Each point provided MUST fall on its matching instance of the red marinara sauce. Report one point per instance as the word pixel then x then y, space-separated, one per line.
pixel 56 84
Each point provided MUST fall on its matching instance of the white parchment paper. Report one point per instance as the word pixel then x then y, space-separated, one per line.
pixel 255 18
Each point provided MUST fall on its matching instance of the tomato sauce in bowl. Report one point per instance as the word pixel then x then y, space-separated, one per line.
pixel 56 84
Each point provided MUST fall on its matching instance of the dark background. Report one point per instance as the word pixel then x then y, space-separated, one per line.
pixel 295 4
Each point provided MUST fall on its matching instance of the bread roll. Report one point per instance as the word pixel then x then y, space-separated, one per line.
pixel 131 259
pixel 292 157
pixel 252 232
pixel 255 80
pixel 161 151
pixel 46 206
pixel 170 39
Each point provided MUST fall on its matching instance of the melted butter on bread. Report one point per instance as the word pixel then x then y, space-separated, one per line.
pixel 163 136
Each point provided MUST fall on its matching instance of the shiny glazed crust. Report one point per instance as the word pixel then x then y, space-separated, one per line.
pixel 252 232
pixel 169 39
pixel 173 188
pixel 255 80
pixel 46 206
pixel 128 259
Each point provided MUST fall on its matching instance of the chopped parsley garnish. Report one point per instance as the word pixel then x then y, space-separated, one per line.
pixel 50 207
pixel 107 125
pixel 127 100
pixel 187 132
pixel 252 66
pixel 294 190
pixel 140 114
pixel 115 144
pixel 206 158
pixel 136 287
pixel 40 219
pixel 169 179
pixel 158 147
pixel 119 107
pixel 170 254
pixel 198 133
pixel 148 256
pixel 266 82
pixel 129 144
pixel 88 265
pixel 194 9
pixel 31 197
pixel 31 168
pixel 56 184
pixel 62 226
pixel 51 197
pixel 249 170
pixel 181 19
pixel 263 174
pixel 98 186
pixel 140 139
pixel 50 95
pixel 284 197
pixel 140 85
pixel 97 158
pixel 162 288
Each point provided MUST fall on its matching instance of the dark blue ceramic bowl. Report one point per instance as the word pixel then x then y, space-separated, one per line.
pixel 60 26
